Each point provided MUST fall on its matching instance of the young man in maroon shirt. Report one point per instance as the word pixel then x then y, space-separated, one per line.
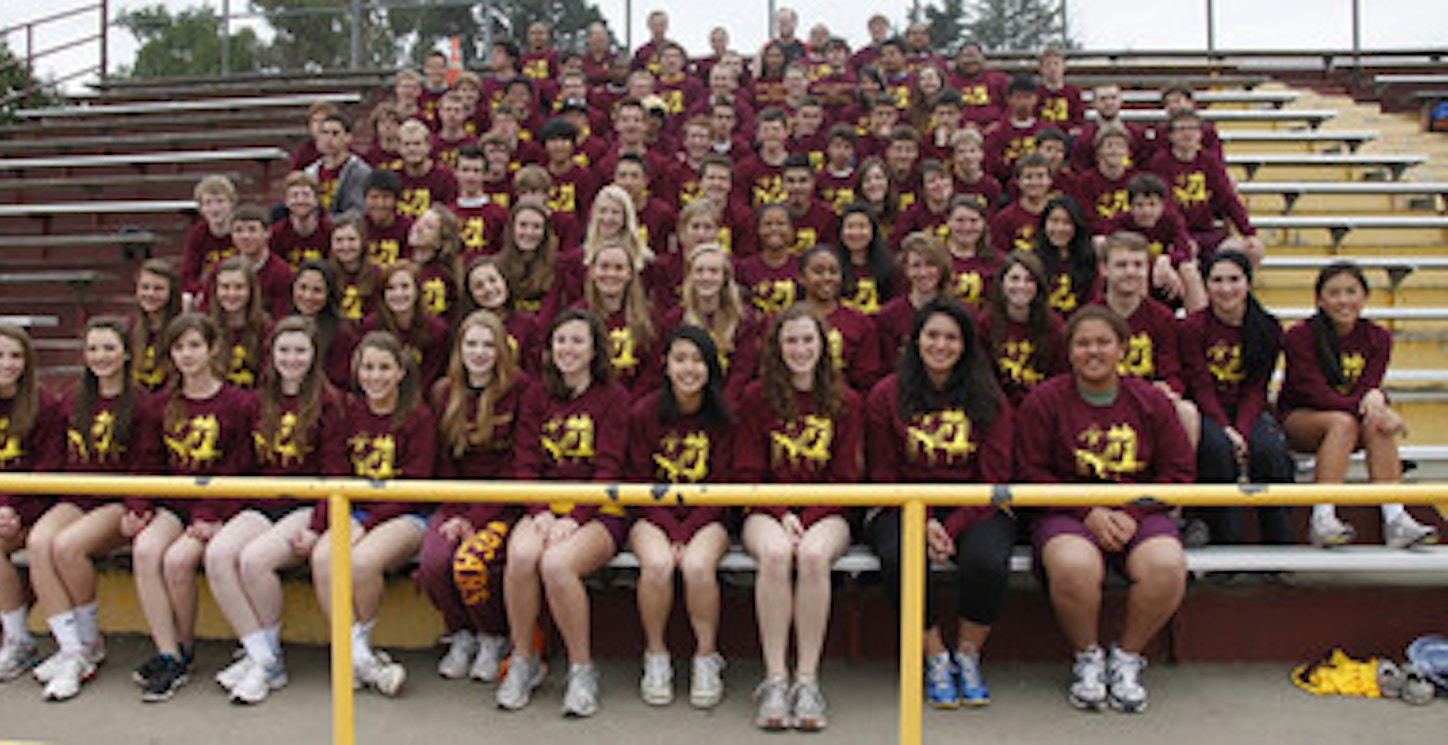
pixel 1175 273
pixel 761 175
pixel 597 54
pixel 967 168
pixel 930 213
pixel 902 160
pixel 725 133
pixel 982 90
pixel 656 217
pixel 835 89
pixel 542 61
pixel 893 66
pixel 1102 190
pixel 434 86
pixel 630 127
pixel 1014 228
pixel 736 220
pixel 695 147
pixel 647 56
pixel 309 150
pixel 452 134
pixel 273 276
pixel 1204 193
pixel 1106 100
pixel 424 180
pixel 679 90
pixel 1180 97
pixel 917 47
pixel 305 233
pixel 386 228
pixel 497 168
pixel 879 29
pixel 573 186
pixel 481 219
pixel 1015 134
pixel 807 133
pixel 814 221
pixel 505 56
pixel 836 180
pixel 1061 103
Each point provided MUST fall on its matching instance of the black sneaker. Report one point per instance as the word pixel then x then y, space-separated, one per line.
pixel 148 669
pixel 168 679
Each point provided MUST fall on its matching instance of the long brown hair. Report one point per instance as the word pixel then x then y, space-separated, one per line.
pixel 638 311
pixel 25 406
pixel 779 392
pixel 253 333
pixel 365 275
pixel 460 428
pixel 416 334
pixel 731 307
pixel 314 391
pixel 1038 320
pixel 529 277
pixel 142 335
pixel 88 393
pixel 211 334
pixel 408 393
pixel 600 370
pixel 449 251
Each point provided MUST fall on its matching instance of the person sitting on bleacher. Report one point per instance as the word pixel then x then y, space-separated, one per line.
pixel 341 174
pixel 1333 403
pixel 1204 192
pixel 425 181
pixel 209 239
pixel 305 233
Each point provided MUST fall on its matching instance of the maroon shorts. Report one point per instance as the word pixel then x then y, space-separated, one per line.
pixel 1052 524
pixel 617 527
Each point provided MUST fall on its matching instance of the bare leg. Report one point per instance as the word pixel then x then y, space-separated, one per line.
pixel 700 568
pixel 150 548
pixel 767 542
pixel 262 559
pixel 522 587
pixel 178 567
pixel 815 557
pixel 223 568
pixel 45 579
pixel 656 582
pixel 1158 572
pixel 322 567
pixel 1332 435
pixel 384 547
pixel 12 593
pixel 563 568
pixel 1075 569
pixel 96 533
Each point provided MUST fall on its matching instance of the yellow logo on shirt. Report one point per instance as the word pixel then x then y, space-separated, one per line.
pixel 1014 364
pixel 12 450
pixel 193 443
pixel 622 349
pixel 434 296
pixel 568 439
pixel 374 458
pixel 1353 365
pixel 941 437
pixel 1108 454
pixel 970 287
pixel 773 296
pixel 1191 188
pixel 682 459
pixel 414 201
pixel 1140 359
pixel 283 449
pixel 104 447
pixel 1224 362
pixel 238 374
pixel 805 441
pixel 866 298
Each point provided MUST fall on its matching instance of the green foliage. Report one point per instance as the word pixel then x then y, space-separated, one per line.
pixel 947 24
pixel 15 80
pixel 186 44
pixel 1016 24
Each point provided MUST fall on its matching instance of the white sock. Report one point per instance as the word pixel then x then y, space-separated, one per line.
pixel 86 624
pixel 13 622
pixel 1323 512
pixel 274 639
pixel 362 641
pixel 1392 511
pixel 258 648
pixel 67 634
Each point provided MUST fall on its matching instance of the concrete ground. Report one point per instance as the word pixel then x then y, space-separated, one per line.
pixel 1197 703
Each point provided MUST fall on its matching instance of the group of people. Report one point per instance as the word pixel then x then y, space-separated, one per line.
pixel 615 284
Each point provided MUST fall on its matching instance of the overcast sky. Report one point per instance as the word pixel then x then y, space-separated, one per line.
pixel 1101 24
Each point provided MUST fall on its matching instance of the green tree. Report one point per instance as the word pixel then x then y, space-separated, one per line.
pixel 16 83
pixel 477 23
pixel 186 43
pixel 1016 24
pixel 947 24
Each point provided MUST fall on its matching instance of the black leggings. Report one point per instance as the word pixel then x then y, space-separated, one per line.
pixel 1270 462
pixel 982 560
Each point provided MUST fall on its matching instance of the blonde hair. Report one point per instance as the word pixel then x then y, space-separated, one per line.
pixel 639 252
pixel 731 307
pixel 637 310
pixel 215 185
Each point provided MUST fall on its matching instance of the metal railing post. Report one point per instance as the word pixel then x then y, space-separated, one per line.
pixel 105 39
pixel 356 35
pixel 223 31
pixel 912 619
pixel 1211 29
pixel 339 532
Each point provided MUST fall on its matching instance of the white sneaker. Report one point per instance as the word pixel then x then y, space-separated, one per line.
pixel 17 658
pixel 233 673
pixel 1405 532
pixel 657 685
pixel 66 678
pixel 259 681
pixel 489 659
pixel 462 646
pixel 580 699
pixel 525 673
pixel 1088 688
pixel 1127 693
pixel 706 685
pixel 1330 532
pixel 45 671
pixel 381 674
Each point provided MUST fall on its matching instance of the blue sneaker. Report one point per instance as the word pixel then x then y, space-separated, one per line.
pixel 940 690
pixel 972 684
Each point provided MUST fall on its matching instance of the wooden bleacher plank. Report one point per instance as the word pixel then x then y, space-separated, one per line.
pixel 176 107
pixel 210 136
pixel 100 207
pixel 1395 163
pixel 1339 226
pixel 181 157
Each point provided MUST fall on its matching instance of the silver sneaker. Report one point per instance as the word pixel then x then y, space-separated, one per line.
pixel 657 685
pixel 381 674
pixel 17 658
pixel 773 698
pixel 488 660
pixel 706 684
pixel 1330 532
pixel 462 647
pixel 524 674
pixel 1127 693
pixel 1088 689
pixel 1405 532
pixel 580 699
pixel 259 681
pixel 233 673
pixel 67 676
pixel 809 706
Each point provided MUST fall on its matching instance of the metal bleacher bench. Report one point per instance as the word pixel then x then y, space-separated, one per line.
pixel 100 207
pixel 1373 312
pixel 1397 267
pixel 1312 117
pixel 133 243
pixel 1340 225
pixel 180 157
pixel 119 180
pixel 30 322
pixel 1291 191
pixel 176 107
pixel 208 136
pixel 1275 99
pixel 1395 163
pixel 1352 138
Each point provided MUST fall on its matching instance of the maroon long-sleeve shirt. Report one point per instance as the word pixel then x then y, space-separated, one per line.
pixel 1136 439
pixel 582 438
pixel 1016 371
pixel 1363 355
pixel 41 449
pixel 1212 364
pixel 490 461
pixel 810 447
pixel 1202 191
pixel 680 452
pixel 375 448
pixel 854 345
pixel 212 437
pixel 740 365
pixel 1153 351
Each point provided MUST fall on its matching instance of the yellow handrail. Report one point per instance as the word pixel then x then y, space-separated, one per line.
pixel 913 498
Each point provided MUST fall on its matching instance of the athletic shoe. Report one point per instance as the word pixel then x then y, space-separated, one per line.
pixel 972 683
pixel 380 673
pixel 17 658
pixel 45 671
pixel 1088 689
pixel 1405 532
pixel 462 646
pixel 168 678
pixel 147 670
pixel 489 659
pixel 70 672
pixel 657 685
pixel 259 681
pixel 940 686
pixel 233 673
pixel 773 697
pixel 1127 692
pixel 1330 532
pixel 808 710
pixel 524 674
pixel 580 699
pixel 706 684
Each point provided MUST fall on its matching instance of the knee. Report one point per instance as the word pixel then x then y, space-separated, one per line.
pixel 698 570
pixel 555 569
pixel 656 569
pixel 815 561
pixel 1160 569
pixel 252 563
pixel 220 560
pixel 1078 573
pixel 178 567
pixel 775 558
pixel 1343 426
pixel 40 543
